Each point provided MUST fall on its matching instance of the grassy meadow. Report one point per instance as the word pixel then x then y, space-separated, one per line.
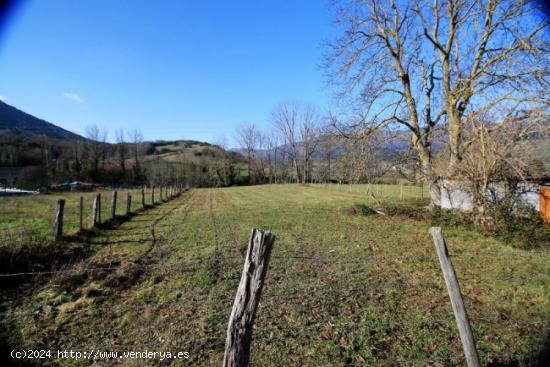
pixel 342 289
pixel 26 219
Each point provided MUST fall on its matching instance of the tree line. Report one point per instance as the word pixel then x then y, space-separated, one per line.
pixel 302 146
pixel 43 160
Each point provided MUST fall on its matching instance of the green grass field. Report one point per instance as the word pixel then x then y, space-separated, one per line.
pixel 391 193
pixel 30 218
pixel 341 289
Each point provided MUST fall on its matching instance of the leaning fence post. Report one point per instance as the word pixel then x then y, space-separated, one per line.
pixel 81 213
pixel 241 321
pixel 457 303
pixel 128 203
pixel 58 223
pixel 99 209
pixel 113 205
pixel 96 211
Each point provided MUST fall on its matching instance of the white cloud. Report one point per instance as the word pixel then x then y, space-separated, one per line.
pixel 2 98
pixel 75 97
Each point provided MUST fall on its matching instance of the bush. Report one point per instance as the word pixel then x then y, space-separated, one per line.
pixel 360 209
pixel 412 211
pixel 448 218
pixel 519 224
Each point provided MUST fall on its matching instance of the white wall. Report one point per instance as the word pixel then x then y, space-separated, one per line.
pixel 456 196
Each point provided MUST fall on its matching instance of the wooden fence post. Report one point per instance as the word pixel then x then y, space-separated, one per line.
pixel 457 303
pixel 58 222
pixel 81 213
pixel 241 321
pixel 143 198
pixel 113 205
pixel 128 203
pixel 99 210
pixel 152 195
pixel 96 211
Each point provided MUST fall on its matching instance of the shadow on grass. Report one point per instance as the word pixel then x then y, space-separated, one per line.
pixel 540 359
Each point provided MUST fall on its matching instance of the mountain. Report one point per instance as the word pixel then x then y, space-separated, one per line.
pixel 18 123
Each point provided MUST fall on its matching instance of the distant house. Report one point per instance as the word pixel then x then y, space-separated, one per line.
pixel 455 195
pixel 75 186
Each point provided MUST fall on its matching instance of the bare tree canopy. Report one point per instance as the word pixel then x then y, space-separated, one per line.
pixel 94 135
pixel 298 125
pixel 499 152
pixel 248 137
pixel 121 148
pixel 426 65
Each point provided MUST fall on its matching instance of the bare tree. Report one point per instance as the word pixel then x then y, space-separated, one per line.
pixel 104 147
pixel 247 137
pixel 76 147
pixel 93 133
pixel 121 148
pixel 273 152
pixel 285 120
pixel 425 65
pixel 499 153
pixel 298 125
pixel 136 138
pixel 329 146
pixel 309 139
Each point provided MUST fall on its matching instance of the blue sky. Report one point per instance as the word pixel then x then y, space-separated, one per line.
pixel 174 69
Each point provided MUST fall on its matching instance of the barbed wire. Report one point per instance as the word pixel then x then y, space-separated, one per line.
pixel 129 266
pixel 308 293
pixel 313 291
pixel 285 256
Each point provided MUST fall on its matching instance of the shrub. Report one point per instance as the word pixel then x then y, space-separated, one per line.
pixel 448 218
pixel 360 209
pixel 519 224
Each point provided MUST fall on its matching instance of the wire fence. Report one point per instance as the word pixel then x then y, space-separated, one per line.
pixel 279 258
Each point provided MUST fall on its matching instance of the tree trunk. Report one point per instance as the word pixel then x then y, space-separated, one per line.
pixel 304 178
pixel 297 170
pixel 435 192
pixel 427 170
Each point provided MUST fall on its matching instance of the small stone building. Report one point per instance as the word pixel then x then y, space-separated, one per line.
pixel 455 195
